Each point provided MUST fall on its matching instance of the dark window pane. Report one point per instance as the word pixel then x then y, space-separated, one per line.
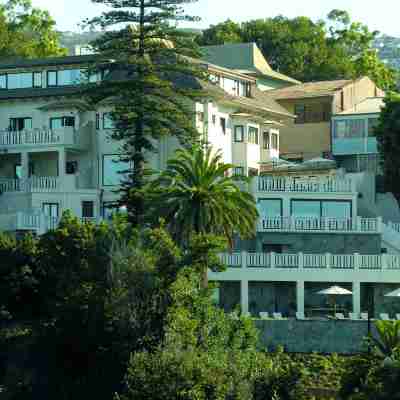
pixel 239 133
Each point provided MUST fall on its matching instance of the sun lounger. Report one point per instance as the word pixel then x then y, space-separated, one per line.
pixel 277 315
pixel 339 316
pixel 264 315
pixel 364 316
pixel 384 317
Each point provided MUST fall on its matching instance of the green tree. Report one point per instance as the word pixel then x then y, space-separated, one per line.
pixel 152 81
pixel 224 32
pixel 388 136
pixel 26 31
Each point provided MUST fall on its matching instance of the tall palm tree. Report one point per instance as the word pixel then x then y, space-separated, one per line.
pixel 197 196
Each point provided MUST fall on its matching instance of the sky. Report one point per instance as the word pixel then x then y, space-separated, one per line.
pixel 381 15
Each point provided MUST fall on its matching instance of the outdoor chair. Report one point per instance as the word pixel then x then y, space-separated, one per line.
pixel 277 315
pixel 300 315
pixel 398 317
pixel 364 316
pixel 339 316
pixel 264 315
pixel 353 315
pixel 384 317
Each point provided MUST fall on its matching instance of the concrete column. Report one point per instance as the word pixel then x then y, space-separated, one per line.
pixel 300 297
pixel 62 157
pixel 25 164
pixel 356 298
pixel 244 296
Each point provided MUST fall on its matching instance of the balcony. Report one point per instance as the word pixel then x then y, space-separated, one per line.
pixel 382 268
pixel 68 137
pixel 38 184
pixel 303 185
pixel 320 225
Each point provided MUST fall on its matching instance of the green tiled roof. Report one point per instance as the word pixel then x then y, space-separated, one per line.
pixel 245 58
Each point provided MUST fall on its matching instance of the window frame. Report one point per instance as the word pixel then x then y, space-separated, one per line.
pixel 274 136
pixel 251 129
pixel 91 208
pixel 34 74
pixel 236 169
pixel 235 136
pixel 52 71
pixel 321 201
pixel 222 124
pixel 5 80
pixel 51 204
pixel 20 118
pixel 266 143
pixel 102 168
pixel 260 199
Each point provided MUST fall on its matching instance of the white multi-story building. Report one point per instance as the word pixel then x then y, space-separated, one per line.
pixel 316 225
pixel 56 153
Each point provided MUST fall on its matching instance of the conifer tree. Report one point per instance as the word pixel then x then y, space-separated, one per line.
pixel 152 81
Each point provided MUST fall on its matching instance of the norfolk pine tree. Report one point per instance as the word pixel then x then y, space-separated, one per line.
pixel 151 81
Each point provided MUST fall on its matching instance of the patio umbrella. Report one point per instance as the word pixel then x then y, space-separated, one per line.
pixel 335 291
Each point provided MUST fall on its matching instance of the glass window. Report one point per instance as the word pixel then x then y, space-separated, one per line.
pixel 306 208
pixel 238 171
pixel 239 133
pixel 87 209
pixel 37 79
pixel 20 81
pixel 222 122
pixel 253 135
pixel 20 124
pixel 372 124
pixel 108 122
pixel 68 77
pixel 300 112
pixel 3 81
pixel 275 141
pixel 51 209
pixel 336 209
pixel 60 122
pixel 270 207
pixel 51 78
pixel 113 169
pixel 266 140
pixel 350 128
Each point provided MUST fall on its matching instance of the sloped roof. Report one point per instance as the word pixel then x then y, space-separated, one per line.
pixel 370 105
pixel 243 57
pixel 15 63
pixel 309 89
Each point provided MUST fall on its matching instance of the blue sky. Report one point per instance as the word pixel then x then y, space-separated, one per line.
pixel 382 15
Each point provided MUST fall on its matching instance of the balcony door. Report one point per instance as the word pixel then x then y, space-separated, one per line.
pixel 20 124
pixel 51 209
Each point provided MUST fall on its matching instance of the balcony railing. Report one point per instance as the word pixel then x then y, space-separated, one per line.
pixel 312 261
pixel 33 184
pixel 45 137
pixel 313 185
pixel 328 225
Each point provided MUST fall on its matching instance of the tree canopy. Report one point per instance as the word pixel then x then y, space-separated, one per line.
pixel 26 31
pixel 310 51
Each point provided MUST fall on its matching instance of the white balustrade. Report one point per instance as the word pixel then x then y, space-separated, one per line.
pixel 304 224
pixel 314 185
pixel 32 184
pixel 340 262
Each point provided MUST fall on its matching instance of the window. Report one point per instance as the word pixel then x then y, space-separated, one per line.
pixel 312 113
pixel 214 119
pixel 349 128
pixel 20 124
pixel 51 209
pixel 239 133
pixel 270 207
pixel 37 79
pixel 372 124
pixel 71 167
pixel 222 122
pixel 51 78
pixel 113 169
pixel 321 208
pixel 266 140
pixel 252 135
pixel 97 121
pixel 238 171
pixel 108 122
pixel 17 171
pixel 66 77
pixel 87 209
pixel 274 141
pixel 61 122
pixel 3 81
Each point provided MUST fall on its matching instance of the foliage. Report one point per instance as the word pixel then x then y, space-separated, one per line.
pixel 195 194
pixel 389 337
pixel 26 31
pixel 310 51
pixel 388 136
pixel 151 81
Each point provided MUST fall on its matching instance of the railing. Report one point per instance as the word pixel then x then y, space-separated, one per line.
pixel 341 262
pixel 306 224
pixel 67 135
pixel 33 184
pixel 314 185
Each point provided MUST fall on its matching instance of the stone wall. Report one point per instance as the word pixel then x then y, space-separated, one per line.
pixel 328 336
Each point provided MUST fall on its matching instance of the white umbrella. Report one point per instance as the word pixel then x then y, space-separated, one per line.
pixel 395 293
pixel 335 291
